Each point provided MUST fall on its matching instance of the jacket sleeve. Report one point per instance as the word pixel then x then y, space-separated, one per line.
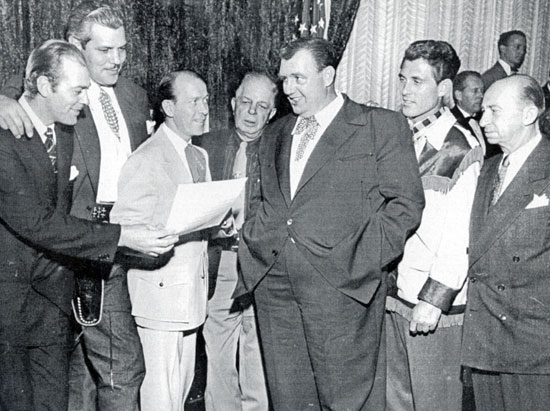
pixel 13 87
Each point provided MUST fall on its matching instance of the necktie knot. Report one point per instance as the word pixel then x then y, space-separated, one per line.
pixel 109 111
pixel 307 127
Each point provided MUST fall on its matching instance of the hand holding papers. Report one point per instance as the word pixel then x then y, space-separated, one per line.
pixel 203 205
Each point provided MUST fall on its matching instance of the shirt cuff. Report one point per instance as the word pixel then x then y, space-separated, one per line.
pixel 438 294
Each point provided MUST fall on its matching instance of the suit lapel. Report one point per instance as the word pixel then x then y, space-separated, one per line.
pixel 489 224
pixel 126 104
pixel 87 141
pixel 64 156
pixel 337 133
pixel 174 165
pixel 282 158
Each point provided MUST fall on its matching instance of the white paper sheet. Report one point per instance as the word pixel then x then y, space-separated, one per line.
pixel 202 205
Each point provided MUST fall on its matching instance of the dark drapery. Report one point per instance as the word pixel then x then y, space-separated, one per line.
pixel 220 39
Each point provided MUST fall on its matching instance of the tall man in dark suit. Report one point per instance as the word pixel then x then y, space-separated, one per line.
pixel 230 327
pixel 506 326
pixel 512 46
pixel 546 91
pixel 38 235
pixel 107 131
pixel 341 193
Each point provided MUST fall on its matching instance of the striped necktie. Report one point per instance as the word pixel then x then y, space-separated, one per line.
pixel 51 147
pixel 109 112
pixel 499 180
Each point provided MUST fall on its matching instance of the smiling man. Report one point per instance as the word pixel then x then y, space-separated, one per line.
pixel 340 194
pixel 231 324
pixel 107 365
pixel 425 313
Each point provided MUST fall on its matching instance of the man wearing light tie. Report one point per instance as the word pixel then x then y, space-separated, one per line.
pixel 107 363
pixel 230 328
pixel 340 194
pixel 506 326
pixel 169 303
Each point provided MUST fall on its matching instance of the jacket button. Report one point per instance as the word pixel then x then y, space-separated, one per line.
pixel 289 221
pixel 501 287
pixel 275 253
pixel 502 317
pixel 161 284
pixel 515 259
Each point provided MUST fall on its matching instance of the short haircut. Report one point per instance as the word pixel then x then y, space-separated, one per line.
pixel 165 90
pixel 257 75
pixel 459 82
pixel 531 92
pixel 504 38
pixel 46 60
pixel 439 54
pixel 86 14
pixel 323 52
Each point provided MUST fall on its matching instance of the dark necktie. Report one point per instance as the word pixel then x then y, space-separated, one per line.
pixel 499 180
pixel 196 162
pixel 308 126
pixel 51 147
pixel 109 112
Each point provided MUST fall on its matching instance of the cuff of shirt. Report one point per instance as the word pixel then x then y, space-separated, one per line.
pixel 438 294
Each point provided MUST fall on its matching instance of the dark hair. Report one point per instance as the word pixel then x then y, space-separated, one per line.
pixel 323 52
pixel 504 38
pixel 46 60
pixel 531 91
pixel 165 91
pixel 459 83
pixel 92 12
pixel 439 54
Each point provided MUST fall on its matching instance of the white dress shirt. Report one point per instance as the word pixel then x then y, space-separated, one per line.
pixel 324 118
pixel 517 159
pixel 114 151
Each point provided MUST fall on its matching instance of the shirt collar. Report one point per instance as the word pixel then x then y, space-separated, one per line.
pixel 36 122
pixel 505 66
pixel 173 136
pixel 437 130
pixel 94 89
pixel 327 114
pixel 427 122
pixel 464 112
pixel 520 155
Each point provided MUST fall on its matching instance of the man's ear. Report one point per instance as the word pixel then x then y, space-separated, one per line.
pixel 328 75
pixel 44 86
pixel 75 42
pixel 445 88
pixel 168 108
pixel 530 114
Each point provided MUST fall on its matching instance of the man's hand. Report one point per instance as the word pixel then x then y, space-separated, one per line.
pixel 146 240
pixel 14 118
pixel 424 318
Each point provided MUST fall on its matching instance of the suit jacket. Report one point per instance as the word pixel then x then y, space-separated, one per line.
pixel 493 74
pixel 489 149
pixel 507 321
pixel 546 91
pixel 36 233
pixel 358 200
pixel 172 297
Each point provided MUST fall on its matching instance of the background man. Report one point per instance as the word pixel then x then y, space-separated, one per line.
pixel 546 91
pixel 106 133
pixel 231 323
pixel 169 303
pixel 425 314
pixel 467 95
pixel 506 327
pixel 35 196
pixel 512 46
pixel 340 195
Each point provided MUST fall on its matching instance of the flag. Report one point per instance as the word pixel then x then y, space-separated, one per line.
pixel 314 19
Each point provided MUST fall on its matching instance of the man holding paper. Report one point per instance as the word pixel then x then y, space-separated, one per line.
pixel 169 303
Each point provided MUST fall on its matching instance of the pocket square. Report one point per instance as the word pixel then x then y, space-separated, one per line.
pixel 538 201
pixel 73 173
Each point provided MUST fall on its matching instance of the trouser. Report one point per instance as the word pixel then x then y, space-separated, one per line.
pixel 321 347
pixel 511 392
pixel 170 363
pixel 230 330
pixel 423 371
pixel 34 378
pixel 107 366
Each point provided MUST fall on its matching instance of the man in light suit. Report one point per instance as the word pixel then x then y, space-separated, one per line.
pixel 38 236
pixel 512 47
pixel 107 364
pixel 169 303
pixel 506 326
pixel 341 193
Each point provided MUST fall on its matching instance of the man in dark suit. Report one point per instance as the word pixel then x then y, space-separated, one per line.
pixel 230 327
pixel 506 326
pixel 512 46
pixel 340 194
pixel 546 90
pixel 109 348
pixel 38 235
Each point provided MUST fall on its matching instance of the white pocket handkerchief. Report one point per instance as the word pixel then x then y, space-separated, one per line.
pixel 73 173
pixel 538 201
